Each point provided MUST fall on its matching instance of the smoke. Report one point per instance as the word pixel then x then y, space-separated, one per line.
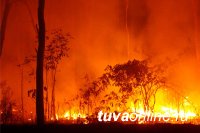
pixel 171 34
pixel 106 32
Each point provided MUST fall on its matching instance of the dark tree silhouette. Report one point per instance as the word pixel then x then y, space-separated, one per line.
pixel 56 49
pixel 136 77
pixel 133 80
pixel 6 11
pixel 7 4
pixel 90 91
pixel 40 61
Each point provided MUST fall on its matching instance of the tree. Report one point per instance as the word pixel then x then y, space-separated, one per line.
pixel 7 4
pixel 149 84
pixel 136 77
pixel 85 95
pixel 133 80
pixel 40 62
pixel 90 91
pixel 56 49
pixel 6 11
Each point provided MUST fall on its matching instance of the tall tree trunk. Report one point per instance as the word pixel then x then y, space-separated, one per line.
pixel 196 15
pixel 53 107
pixel 22 91
pixel 47 96
pixel 3 24
pixel 40 61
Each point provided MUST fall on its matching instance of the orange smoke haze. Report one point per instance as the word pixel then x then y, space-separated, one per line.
pixel 156 29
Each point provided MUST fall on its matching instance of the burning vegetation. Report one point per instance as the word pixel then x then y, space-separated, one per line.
pixel 115 68
pixel 134 86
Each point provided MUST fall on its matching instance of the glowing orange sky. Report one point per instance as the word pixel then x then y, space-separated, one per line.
pixel 158 29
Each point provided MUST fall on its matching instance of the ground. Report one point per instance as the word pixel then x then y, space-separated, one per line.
pixel 101 128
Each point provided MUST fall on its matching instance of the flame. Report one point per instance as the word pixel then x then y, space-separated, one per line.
pixel 161 107
pixel 73 115
pixel 66 115
pixel 173 112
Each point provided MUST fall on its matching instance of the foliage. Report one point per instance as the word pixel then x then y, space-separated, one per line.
pixel 56 48
pixel 133 80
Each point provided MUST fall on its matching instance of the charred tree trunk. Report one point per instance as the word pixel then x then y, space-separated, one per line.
pixel 196 13
pixel 53 107
pixel 47 96
pixel 22 91
pixel 3 24
pixel 40 61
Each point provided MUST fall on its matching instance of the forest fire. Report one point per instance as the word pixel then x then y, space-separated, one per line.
pixel 131 87
pixel 99 62
pixel 137 88
pixel 169 115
